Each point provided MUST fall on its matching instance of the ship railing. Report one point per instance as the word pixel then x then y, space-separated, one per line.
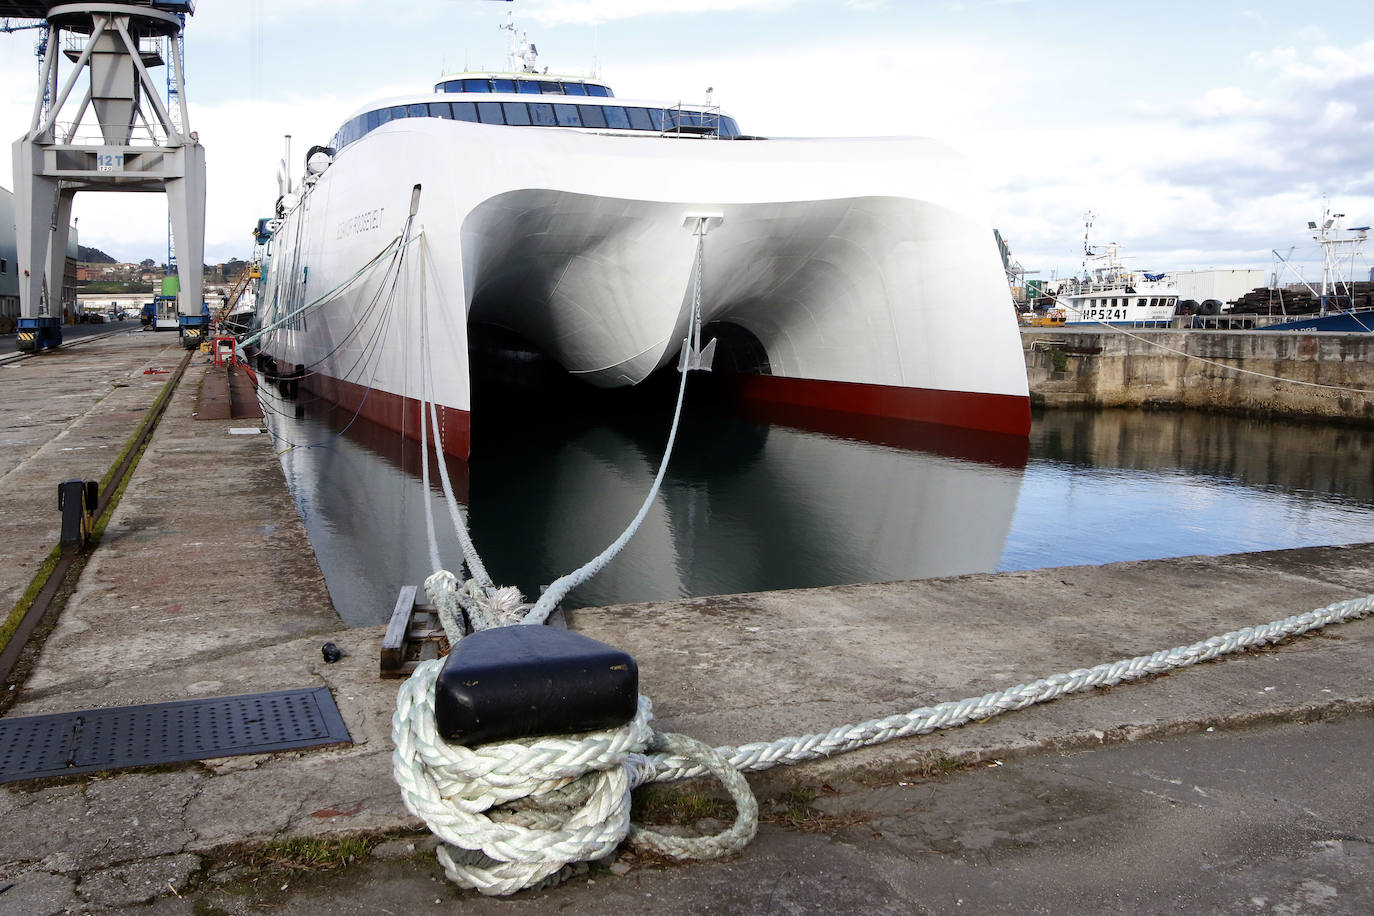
pixel 701 122
pixel 88 133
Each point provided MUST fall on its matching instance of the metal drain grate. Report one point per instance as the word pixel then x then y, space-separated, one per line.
pixel 130 736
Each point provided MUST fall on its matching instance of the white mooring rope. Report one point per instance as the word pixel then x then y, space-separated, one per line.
pixel 524 814
pixel 518 815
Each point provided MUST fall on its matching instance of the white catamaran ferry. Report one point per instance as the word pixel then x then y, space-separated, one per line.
pixel 846 274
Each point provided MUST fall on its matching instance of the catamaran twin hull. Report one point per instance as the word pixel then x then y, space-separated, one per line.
pixel 854 266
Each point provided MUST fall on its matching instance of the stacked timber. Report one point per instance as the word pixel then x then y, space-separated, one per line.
pixel 1300 301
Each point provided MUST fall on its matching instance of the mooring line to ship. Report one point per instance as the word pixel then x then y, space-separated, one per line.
pixel 368 351
pixel 1212 362
pixel 322 298
pixel 526 813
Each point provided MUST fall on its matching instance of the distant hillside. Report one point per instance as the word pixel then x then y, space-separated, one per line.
pixel 93 256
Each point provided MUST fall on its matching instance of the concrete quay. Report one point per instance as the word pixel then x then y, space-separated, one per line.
pixel 1303 375
pixel 1241 785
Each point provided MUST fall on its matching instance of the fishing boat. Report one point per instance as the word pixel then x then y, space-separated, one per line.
pixel 1337 308
pixel 538 213
pixel 1107 293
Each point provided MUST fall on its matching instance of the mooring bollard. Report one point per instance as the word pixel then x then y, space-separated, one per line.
pixel 77 499
pixel 525 681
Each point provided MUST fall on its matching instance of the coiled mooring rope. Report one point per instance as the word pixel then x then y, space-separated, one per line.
pixel 523 814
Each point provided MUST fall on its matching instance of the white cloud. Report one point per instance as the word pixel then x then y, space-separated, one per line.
pixel 588 12
pixel 1228 101
pixel 1327 66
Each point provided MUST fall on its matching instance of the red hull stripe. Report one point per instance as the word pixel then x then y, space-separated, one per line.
pixel 998 413
pixel 396 413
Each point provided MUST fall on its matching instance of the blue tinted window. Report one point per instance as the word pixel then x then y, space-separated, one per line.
pixel 373 119
pixel 541 113
pixel 639 119
pixel 516 112
pixel 449 86
pixel 465 111
pixel 440 110
pixel 419 111
pixel 398 111
pixel 567 115
pixel 655 118
pixel 616 117
pixel 575 88
pixel 383 115
pixel 602 91
pixel 526 86
pixel 502 85
pixel 490 113
pixel 689 119
pixel 471 85
pixel 669 120
pixel 551 87
pixel 729 127
pixel 592 116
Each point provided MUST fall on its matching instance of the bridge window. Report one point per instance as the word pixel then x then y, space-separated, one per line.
pixel 472 85
pixel 527 86
pixel 500 85
pixel 602 91
pixel 516 113
pixel 551 87
pixel 541 113
pixel 575 88
pixel 546 114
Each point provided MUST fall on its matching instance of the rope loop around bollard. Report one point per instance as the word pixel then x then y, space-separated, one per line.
pixel 525 814
pixel 522 814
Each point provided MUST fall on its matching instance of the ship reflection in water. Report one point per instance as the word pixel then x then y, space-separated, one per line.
pixel 769 499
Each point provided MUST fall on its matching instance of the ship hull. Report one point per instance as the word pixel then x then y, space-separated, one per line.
pixel 845 274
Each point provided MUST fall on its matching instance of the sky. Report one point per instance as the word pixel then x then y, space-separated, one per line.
pixel 1200 134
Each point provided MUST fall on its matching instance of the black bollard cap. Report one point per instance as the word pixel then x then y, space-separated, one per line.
pixel 526 681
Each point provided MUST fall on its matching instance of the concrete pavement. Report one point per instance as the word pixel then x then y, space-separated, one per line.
pixel 205 585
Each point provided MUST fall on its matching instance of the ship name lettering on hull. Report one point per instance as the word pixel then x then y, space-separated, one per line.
pixel 363 222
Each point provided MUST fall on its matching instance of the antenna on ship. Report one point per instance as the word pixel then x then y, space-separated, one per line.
pixel 523 55
pixel 1088 217
pixel 1325 229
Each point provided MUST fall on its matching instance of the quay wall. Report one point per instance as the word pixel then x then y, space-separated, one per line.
pixel 1314 375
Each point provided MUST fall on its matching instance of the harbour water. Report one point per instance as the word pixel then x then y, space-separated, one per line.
pixel 757 501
